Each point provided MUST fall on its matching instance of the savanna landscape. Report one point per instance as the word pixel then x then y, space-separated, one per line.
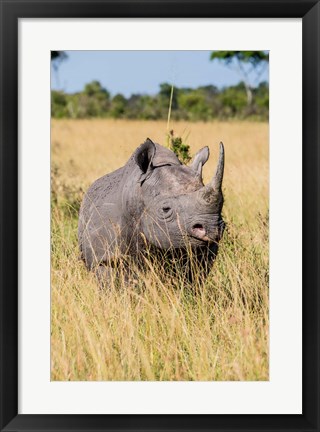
pixel 160 330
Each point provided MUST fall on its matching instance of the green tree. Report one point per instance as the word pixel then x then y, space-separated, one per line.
pixel 233 101
pixel 94 88
pixel 57 57
pixel 202 103
pixel 58 104
pixel 246 63
pixel 195 104
pixel 94 101
pixel 118 106
pixel 165 94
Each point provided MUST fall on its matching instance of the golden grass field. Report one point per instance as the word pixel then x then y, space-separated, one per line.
pixel 163 331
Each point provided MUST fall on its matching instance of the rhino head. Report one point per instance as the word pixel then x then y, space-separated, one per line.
pixel 177 208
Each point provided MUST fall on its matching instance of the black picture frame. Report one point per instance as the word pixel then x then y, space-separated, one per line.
pixel 11 11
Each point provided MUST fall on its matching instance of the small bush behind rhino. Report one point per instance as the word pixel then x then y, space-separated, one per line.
pixel 154 205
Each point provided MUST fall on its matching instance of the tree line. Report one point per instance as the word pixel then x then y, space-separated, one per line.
pixel 193 104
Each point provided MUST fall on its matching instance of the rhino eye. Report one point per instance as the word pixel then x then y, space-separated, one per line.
pixel 165 211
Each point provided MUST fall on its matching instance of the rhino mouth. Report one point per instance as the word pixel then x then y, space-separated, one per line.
pixel 199 232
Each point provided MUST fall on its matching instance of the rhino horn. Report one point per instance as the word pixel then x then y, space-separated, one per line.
pixel 216 182
pixel 199 160
pixel 211 193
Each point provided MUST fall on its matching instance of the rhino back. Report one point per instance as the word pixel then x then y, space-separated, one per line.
pixel 99 218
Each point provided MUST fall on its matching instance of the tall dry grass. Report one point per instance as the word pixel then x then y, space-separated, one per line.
pixel 160 330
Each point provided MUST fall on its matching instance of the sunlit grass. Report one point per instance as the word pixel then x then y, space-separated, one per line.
pixel 161 329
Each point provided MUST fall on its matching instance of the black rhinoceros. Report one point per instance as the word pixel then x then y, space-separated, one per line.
pixel 154 202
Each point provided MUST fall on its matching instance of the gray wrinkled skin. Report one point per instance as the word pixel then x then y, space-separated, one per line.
pixel 153 202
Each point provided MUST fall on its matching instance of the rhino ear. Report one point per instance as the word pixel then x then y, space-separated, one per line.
pixel 199 160
pixel 144 155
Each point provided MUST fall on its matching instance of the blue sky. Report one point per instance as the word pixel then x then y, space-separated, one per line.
pixel 129 72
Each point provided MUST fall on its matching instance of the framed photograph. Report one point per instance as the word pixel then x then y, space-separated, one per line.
pixel 159 215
